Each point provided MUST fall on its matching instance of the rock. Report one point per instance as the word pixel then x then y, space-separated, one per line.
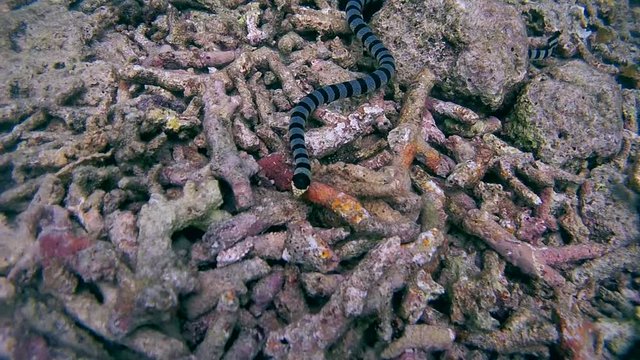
pixel 476 49
pixel 609 209
pixel 568 114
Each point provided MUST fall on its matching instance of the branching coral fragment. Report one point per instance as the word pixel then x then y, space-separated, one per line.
pixel 226 162
pixel 531 260
pixel 215 282
pixel 310 248
pixel 424 234
pixel 315 333
pixel 425 337
pixel 221 327
pixel 274 209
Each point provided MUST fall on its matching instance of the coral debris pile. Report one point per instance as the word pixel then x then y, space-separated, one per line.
pixel 478 206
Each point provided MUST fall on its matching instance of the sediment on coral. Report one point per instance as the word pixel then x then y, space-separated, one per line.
pixel 479 205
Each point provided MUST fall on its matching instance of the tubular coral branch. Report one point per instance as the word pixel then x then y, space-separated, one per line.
pixel 237 72
pixel 453 111
pixel 506 171
pixel 345 206
pixel 408 139
pixel 265 290
pixel 364 148
pixel 416 98
pixel 226 162
pixel 174 80
pixel 274 209
pixel 388 182
pixel 221 327
pixel 531 260
pixel 191 59
pixel 215 282
pixel 254 35
pixel 420 290
pixel 481 127
pixel 571 222
pixel 468 172
pixel 535 170
pixel 269 58
pixel 354 248
pixel 306 246
pixel 265 102
pixel 328 139
pixel 314 333
pixel 425 337
pixel 432 133
pixel 33 121
pixel 290 302
pixel 407 143
pixel 544 210
pixel 377 161
pixel 320 285
pixel 326 21
pixel 268 246
pixel 433 199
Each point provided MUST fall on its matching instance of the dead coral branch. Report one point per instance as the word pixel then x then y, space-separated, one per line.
pixel 531 260
pixel 226 162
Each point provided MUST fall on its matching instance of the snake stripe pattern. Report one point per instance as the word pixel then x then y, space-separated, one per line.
pixel 545 52
pixel 326 94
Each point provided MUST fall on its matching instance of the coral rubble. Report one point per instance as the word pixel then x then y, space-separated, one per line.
pixel 480 205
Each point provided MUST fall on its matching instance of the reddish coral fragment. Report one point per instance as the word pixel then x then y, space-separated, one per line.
pixel 578 336
pixel 346 206
pixel 275 168
pixel 60 245
pixel 57 241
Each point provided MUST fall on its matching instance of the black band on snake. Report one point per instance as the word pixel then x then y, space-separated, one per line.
pixel 545 52
pixel 326 94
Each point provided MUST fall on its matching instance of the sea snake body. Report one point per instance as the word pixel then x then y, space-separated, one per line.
pixel 545 52
pixel 326 94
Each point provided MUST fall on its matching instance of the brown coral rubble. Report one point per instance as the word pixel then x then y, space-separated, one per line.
pixel 478 206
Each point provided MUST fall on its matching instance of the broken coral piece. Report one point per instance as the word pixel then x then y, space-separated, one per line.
pixel 308 247
pixel 273 209
pixel 214 283
pixel 314 333
pixel 153 288
pixel 531 260
pixel 424 337
pixel 226 162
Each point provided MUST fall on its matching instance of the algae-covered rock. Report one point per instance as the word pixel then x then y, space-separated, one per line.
pixel 161 218
pixel 568 114
pixel 47 62
pixel 476 49
pixel 609 208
